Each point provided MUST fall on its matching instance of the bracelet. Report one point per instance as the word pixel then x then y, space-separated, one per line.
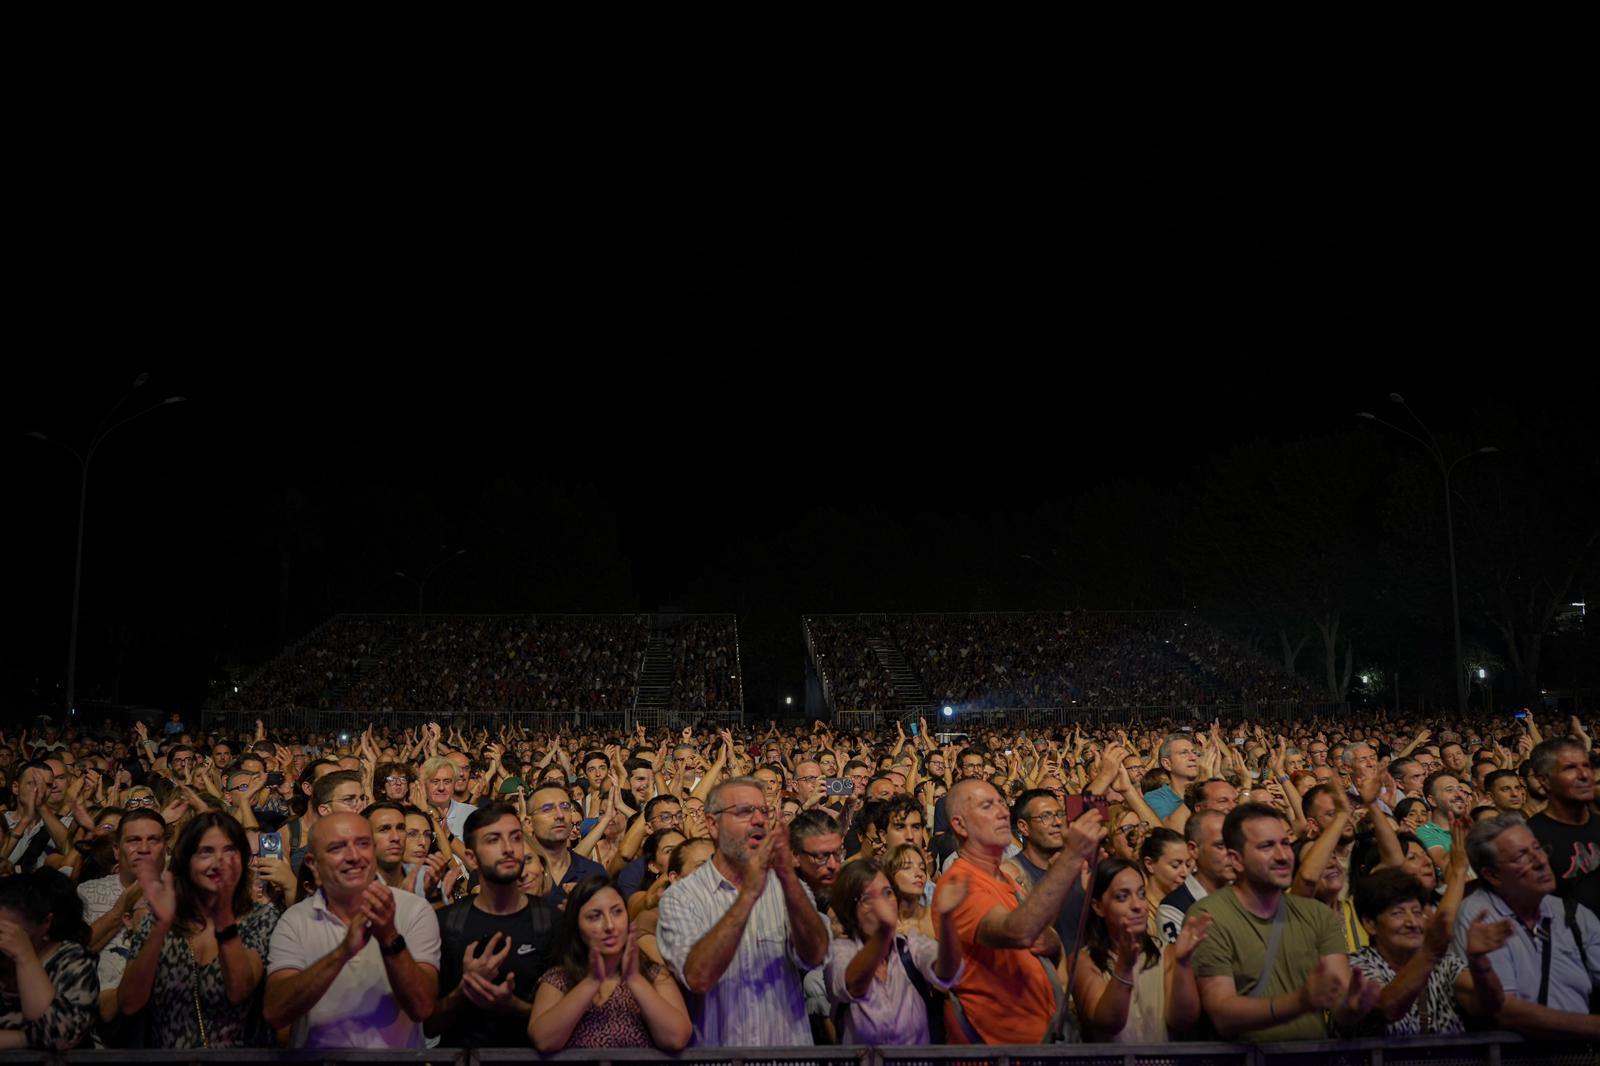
pixel 1122 980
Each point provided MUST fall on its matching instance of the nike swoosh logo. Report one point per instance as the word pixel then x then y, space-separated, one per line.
pixel 526 949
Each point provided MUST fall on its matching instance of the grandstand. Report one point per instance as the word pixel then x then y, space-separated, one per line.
pixel 1093 661
pixel 655 669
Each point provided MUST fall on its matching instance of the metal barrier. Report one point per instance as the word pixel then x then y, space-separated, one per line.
pixel 1472 1049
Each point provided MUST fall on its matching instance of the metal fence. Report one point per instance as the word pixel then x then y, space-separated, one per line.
pixel 1475 1049
pixel 969 719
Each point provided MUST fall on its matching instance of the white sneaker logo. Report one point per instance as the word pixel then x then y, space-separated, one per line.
pixel 526 949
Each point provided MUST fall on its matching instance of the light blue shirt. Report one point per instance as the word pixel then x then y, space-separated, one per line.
pixel 1163 801
pixel 1518 962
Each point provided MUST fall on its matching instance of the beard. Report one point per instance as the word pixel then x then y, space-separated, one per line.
pixel 492 876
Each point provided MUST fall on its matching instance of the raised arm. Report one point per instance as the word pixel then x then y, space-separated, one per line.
pixel 1039 909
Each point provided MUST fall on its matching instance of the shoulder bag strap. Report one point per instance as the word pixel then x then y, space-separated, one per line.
pixel 1279 920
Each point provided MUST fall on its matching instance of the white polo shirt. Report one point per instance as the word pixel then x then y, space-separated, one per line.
pixel 359 1009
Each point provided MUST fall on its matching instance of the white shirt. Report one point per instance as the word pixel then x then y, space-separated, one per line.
pixel 99 896
pixel 759 1001
pixel 359 1009
pixel 455 819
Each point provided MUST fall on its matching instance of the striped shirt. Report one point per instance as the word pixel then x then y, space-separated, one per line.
pixel 758 1002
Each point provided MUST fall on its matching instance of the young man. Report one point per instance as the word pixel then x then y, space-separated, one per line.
pixel 1246 994
pixel 550 815
pixel 1039 820
pixel 495 944
pixel 1213 871
pixel 1567 826
pixel 357 964
pixel 1448 799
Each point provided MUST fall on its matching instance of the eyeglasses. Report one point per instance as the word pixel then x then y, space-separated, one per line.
pixel 551 808
pixel 419 834
pixel 1131 830
pixel 809 777
pixel 397 779
pixel 742 812
pixel 886 893
pixel 668 817
pixel 354 801
pixel 1048 817
pixel 825 857
pixel 141 801
pixel 1525 859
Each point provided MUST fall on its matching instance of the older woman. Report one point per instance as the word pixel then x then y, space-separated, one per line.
pixel 199 956
pixel 601 993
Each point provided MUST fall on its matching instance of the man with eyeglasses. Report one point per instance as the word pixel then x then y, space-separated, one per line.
pixel 739 931
pixel 663 812
pixel 1039 820
pixel 341 790
pixel 1551 964
pixel 970 763
pixel 551 815
pixel 809 788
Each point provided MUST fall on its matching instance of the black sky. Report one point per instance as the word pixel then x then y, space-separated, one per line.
pixel 625 376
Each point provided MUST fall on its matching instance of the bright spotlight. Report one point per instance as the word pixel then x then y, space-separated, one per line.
pixel 1366 679
pixel 788 699
pixel 1482 673
pixel 949 712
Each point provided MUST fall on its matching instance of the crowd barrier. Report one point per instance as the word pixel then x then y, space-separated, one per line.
pixel 1474 1049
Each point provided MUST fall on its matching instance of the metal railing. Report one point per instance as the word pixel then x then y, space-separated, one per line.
pixel 1473 1049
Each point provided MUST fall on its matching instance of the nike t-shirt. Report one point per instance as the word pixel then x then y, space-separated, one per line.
pixel 532 933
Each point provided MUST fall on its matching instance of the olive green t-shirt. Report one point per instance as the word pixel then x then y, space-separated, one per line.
pixel 1237 946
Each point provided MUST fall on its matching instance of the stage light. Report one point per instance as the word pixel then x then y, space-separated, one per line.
pixel 1482 673
pixel 949 712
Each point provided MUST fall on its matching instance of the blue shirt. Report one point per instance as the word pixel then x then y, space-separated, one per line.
pixel 1518 963
pixel 577 870
pixel 1163 801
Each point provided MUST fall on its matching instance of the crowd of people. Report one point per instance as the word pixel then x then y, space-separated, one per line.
pixel 1009 660
pixel 447 665
pixel 787 886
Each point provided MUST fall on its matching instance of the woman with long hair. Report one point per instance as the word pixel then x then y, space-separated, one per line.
pixel 1125 991
pixel 1164 858
pixel 198 956
pixel 49 990
pixel 601 993
pixel 907 868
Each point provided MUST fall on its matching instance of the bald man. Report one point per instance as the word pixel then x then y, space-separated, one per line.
pixel 1009 992
pixel 357 964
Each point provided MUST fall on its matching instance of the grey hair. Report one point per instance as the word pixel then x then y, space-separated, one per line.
pixel 1166 745
pixel 1542 759
pixel 1348 755
pixel 1481 850
pixel 713 807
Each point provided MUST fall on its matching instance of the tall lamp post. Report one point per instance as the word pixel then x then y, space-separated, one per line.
pixel 1431 446
pixel 422 582
pixel 84 458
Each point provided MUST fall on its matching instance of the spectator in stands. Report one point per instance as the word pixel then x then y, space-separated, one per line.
pixel 439 777
pixel 1408 776
pixel 1008 992
pixel 1260 982
pixel 738 931
pixel 1447 801
pixel 552 816
pixel 1551 963
pixel 1039 820
pixel 1567 827
pixel 1122 991
pixel 882 976
pixel 356 964
pixel 1180 759
pixel 42 958
pixel 818 849
pixel 602 993
pixel 1164 861
pixel 1213 871
pixel 662 812
pixel 1505 792
pixel 394 781
pixel 494 945
pixel 197 956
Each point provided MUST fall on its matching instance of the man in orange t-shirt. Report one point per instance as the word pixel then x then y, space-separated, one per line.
pixel 1006 992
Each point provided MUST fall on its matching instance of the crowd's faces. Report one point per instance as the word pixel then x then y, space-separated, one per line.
pixel 911 876
pixel 1451 796
pixel 1454 758
pixel 1419 865
pixel 1135 767
pixel 222 756
pixel 134 798
pixel 972 767
pixel 342 850
pixel 687 760
pixel 1168 872
pixel 497 851
pixel 818 858
pixel 790 809
pixel 1219 796
pixel 980 813
pixel 396 786
pixel 419 838
pixel 669 843
pixel 1507 794
pixel 1571 780
pixel 1182 760
pixel 1411 778
pixel 388 838
pixel 1127 837
pixel 874 897
pixel 143 846
pixel 858 780
pixel 807 780
pixel 531 881
pixel 1210 856
pixel 1323 812
pixel 1327 775
pixel 830 765
pixel 180 763
pixel 880 790
pixel 771 784
pixel 603 923
pixel 738 823
pixel 106 828
pixel 641 783
pixel 441 786
pixel 212 856
pixel 1267 861
pixel 347 798
pixel 552 816
pixel 1046 820
pixel 1125 903
pixel 595 771
pixel 905 829
pixel 1364 762
pixel 668 814
pixel 1522 868
pixel 936 765
pixel 1397 932
pixel 1318 752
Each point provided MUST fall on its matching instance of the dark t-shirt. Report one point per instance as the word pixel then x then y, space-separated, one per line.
pixel 1574 852
pixel 577 870
pixel 631 877
pixel 532 933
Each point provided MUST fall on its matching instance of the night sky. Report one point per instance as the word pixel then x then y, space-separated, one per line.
pixel 715 372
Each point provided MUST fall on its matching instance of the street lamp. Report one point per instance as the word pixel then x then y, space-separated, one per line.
pixel 423 582
pixel 84 458
pixel 1431 446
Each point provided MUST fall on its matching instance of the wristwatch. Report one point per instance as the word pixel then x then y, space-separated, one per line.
pixel 393 947
pixel 227 933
